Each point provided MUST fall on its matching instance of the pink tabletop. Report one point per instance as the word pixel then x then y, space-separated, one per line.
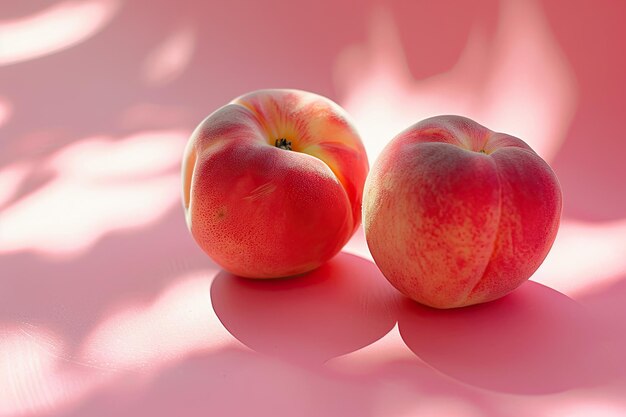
pixel 108 307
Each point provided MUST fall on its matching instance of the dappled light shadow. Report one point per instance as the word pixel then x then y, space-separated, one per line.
pixel 95 186
pixel 231 382
pixel 53 29
pixel 495 82
pixel 72 297
pixel 43 370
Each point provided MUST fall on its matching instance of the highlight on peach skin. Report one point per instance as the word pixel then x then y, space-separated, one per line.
pixel 455 214
pixel 273 182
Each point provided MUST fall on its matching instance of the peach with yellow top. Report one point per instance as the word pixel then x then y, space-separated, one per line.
pixel 272 183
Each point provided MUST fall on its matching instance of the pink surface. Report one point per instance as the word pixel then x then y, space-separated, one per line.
pixel 107 307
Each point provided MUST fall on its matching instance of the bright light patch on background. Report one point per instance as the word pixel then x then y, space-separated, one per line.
pixel 99 186
pixel 39 375
pixel 5 110
pixel 170 58
pixel 437 406
pixel 10 179
pixel 32 378
pixel 529 90
pixel 586 407
pixel 53 29
pixel 180 321
pixel 585 255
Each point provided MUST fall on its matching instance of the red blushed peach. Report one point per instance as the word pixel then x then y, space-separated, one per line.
pixel 272 183
pixel 456 214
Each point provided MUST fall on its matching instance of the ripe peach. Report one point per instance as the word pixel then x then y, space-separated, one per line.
pixel 456 214
pixel 272 183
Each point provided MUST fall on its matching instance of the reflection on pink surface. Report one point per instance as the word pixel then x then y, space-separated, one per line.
pixel 286 318
pixel 55 28
pixel 97 186
pixel 518 83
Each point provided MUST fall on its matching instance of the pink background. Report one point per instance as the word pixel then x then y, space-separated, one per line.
pixel 107 307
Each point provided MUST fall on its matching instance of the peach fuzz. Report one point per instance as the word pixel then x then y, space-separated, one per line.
pixel 273 182
pixel 456 214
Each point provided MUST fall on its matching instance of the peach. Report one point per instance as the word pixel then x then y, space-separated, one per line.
pixel 272 183
pixel 455 214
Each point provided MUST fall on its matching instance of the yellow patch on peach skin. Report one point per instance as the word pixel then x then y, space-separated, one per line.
pixel 323 128
pixel 278 117
pixel 302 124
pixel 464 251
pixel 319 153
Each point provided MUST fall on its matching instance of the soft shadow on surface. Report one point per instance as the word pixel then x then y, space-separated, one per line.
pixel 231 382
pixel 237 382
pixel 533 341
pixel 340 307
pixel 124 268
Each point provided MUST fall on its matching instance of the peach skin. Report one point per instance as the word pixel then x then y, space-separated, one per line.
pixel 272 183
pixel 456 214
